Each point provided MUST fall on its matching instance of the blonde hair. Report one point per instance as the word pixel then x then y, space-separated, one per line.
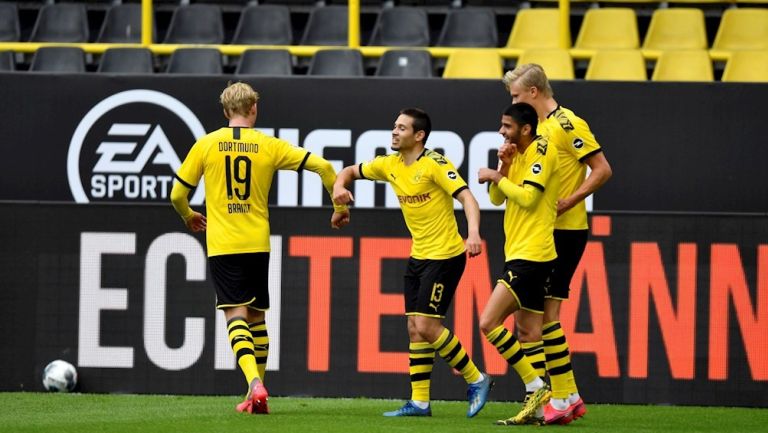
pixel 238 98
pixel 530 75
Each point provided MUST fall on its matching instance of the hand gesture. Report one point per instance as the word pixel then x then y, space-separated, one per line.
pixel 342 195
pixel 339 219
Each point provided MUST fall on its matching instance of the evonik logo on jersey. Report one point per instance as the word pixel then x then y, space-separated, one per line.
pixel 122 149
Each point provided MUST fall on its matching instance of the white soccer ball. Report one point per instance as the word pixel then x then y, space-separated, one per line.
pixel 59 376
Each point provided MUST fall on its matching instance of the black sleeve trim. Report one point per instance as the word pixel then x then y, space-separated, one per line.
pixel 594 152
pixel 183 182
pixel 303 161
pixel 360 169
pixel 534 184
pixel 455 193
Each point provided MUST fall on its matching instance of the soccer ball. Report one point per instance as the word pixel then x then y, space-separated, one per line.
pixel 59 376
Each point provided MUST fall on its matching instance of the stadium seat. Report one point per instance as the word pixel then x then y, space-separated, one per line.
pixel 469 27
pixel 747 66
pixel 617 65
pixel 683 65
pixel 473 64
pixel 196 24
pixel 61 22
pixel 265 62
pixel 264 25
pixel 676 29
pixel 535 28
pixel 327 26
pixel 9 22
pixel 58 59
pixel 608 28
pixel 401 27
pixel 338 63
pixel 742 29
pixel 405 63
pixel 202 61
pixel 557 63
pixel 126 61
pixel 7 62
pixel 122 24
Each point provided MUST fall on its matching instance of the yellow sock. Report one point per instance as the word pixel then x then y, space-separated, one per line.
pixel 510 349
pixel 535 353
pixel 260 346
pixel 242 345
pixel 558 361
pixel 449 348
pixel 421 357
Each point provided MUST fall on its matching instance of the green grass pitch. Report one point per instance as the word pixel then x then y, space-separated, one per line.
pixel 97 413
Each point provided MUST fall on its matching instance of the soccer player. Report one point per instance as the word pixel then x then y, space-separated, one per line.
pixel 238 163
pixel 527 179
pixel 426 184
pixel 578 149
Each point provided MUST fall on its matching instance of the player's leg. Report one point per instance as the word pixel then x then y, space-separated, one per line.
pixel 566 403
pixel 259 280
pixel 518 291
pixel 421 354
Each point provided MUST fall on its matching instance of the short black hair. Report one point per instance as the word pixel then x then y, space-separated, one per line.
pixel 523 114
pixel 421 121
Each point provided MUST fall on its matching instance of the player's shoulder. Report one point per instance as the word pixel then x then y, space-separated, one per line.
pixel 542 144
pixel 569 121
pixel 435 157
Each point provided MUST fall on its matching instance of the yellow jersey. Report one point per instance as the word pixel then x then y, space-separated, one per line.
pixel 529 230
pixel 238 165
pixel 574 141
pixel 425 190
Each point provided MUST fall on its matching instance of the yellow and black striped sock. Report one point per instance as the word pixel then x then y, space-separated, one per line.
pixel 449 348
pixel 535 354
pixel 421 357
pixel 558 361
pixel 242 345
pixel 509 348
pixel 260 345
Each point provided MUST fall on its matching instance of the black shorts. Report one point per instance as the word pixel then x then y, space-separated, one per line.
pixel 528 282
pixel 431 284
pixel 570 245
pixel 241 280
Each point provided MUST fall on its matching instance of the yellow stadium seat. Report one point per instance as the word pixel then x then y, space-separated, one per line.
pixel 683 65
pixel 473 64
pixel 557 63
pixel 535 28
pixel 747 66
pixel 676 29
pixel 742 29
pixel 618 65
pixel 608 28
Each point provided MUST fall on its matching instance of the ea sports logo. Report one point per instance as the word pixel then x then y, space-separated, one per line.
pixel 122 149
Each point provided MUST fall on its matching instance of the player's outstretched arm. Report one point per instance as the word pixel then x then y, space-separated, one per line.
pixel 474 243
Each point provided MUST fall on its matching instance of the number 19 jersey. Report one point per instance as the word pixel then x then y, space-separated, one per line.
pixel 238 164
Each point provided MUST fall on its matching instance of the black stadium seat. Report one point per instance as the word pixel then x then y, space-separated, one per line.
pixel 204 61
pixel 6 61
pixel 469 27
pixel 126 61
pixel 338 63
pixel 327 25
pixel 61 22
pixel 405 63
pixel 9 23
pixel 265 62
pixel 122 24
pixel 196 24
pixel 264 25
pixel 401 27
pixel 58 59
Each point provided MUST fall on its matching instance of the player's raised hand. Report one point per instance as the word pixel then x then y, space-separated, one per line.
pixel 506 152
